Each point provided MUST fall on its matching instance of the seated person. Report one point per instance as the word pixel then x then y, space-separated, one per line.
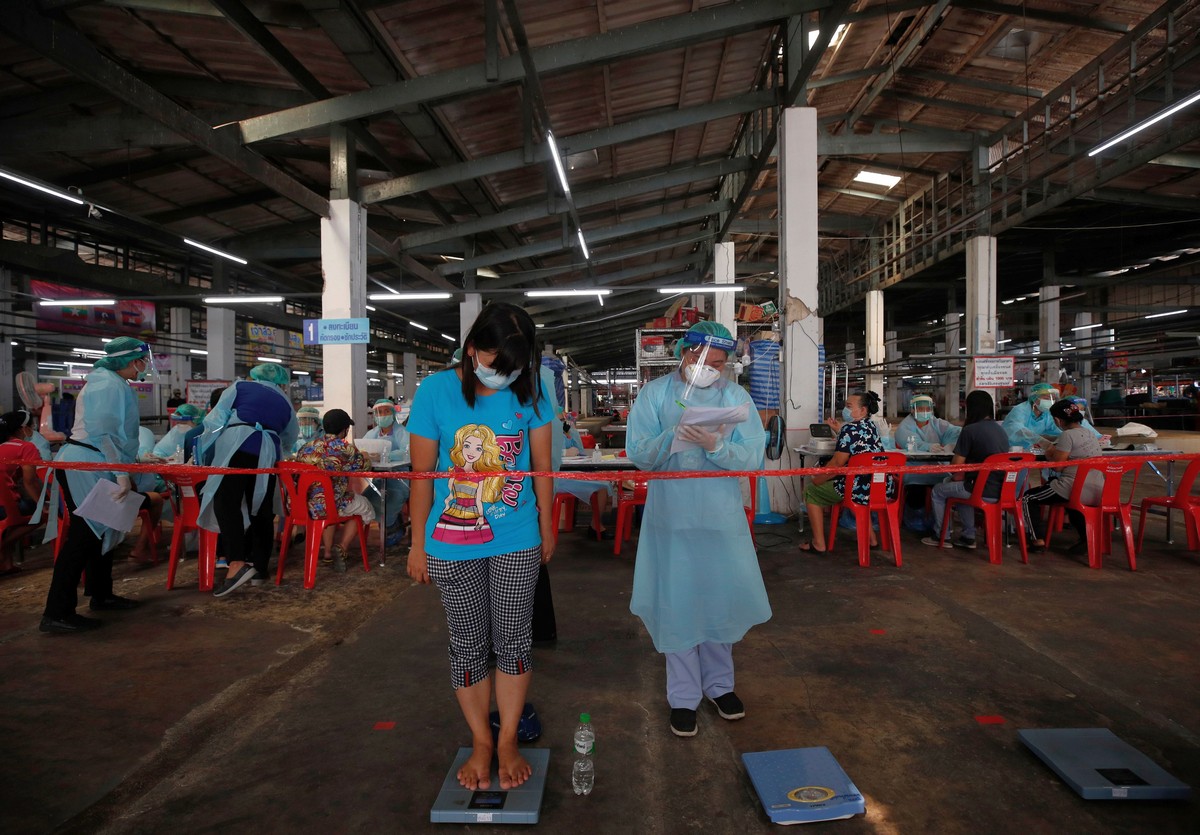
pixel 597 493
pixel 920 431
pixel 184 419
pixel 387 427
pixel 18 467
pixel 856 433
pixel 332 452
pixel 189 440
pixel 1073 442
pixel 309 420
pixel 1028 422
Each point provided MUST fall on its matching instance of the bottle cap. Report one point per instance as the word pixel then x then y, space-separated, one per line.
pixel 585 717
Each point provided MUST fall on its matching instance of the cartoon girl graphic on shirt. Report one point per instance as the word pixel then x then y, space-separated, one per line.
pixel 463 521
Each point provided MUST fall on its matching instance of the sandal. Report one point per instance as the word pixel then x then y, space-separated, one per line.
pixel 805 544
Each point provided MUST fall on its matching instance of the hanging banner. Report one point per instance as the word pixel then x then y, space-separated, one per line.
pixel 135 318
pixel 260 333
pixel 199 391
pixel 993 372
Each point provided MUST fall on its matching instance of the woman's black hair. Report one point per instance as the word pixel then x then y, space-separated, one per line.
pixel 869 399
pixel 11 422
pixel 509 331
pixel 1067 411
pixel 980 406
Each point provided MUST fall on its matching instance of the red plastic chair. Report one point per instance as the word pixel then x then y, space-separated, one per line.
pixel 15 525
pixel 627 501
pixel 1183 501
pixel 295 481
pixel 1099 531
pixel 993 511
pixel 564 506
pixel 185 502
pixel 888 510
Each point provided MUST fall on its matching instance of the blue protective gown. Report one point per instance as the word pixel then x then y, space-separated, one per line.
pixel 248 418
pixel 398 488
pixel 165 448
pixel 696 579
pixel 106 418
pixel 936 431
pixel 1024 428
pixel 43 446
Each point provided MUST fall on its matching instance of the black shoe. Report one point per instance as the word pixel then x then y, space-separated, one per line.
pixel 244 575
pixel 729 706
pixel 600 536
pixel 113 602
pixel 683 721
pixel 963 542
pixel 71 623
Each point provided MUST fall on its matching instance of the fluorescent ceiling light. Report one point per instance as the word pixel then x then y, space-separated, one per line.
pixel 558 163
pixel 1088 327
pixel 14 342
pixel 448 336
pixel 582 244
pixel 411 297
pixel 77 302
pixel 1002 341
pixel 876 179
pixel 214 251
pixel 372 371
pixel 301 373
pixel 370 308
pixel 1168 313
pixel 198 352
pixel 539 325
pixel 704 288
pixel 270 359
pixel 242 299
pixel 397 374
pixel 624 382
pixel 70 198
pixel 418 325
pixel 534 294
pixel 106 339
pixel 1141 126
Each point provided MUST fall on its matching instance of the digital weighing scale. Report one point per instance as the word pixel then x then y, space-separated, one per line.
pixel 523 804
pixel 803 785
pixel 1099 765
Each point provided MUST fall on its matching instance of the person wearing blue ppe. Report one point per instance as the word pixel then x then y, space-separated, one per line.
pixel 193 435
pixel 105 431
pixel 1028 422
pixel 598 494
pixel 308 421
pixel 183 420
pixel 920 431
pixel 247 429
pixel 696 582
pixel 389 429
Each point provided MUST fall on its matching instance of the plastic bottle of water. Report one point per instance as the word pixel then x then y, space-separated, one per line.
pixel 177 458
pixel 912 443
pixel 583 772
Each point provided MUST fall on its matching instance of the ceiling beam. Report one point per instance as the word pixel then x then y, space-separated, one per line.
pixel 1025 12
pixel 211 207
pixel 973 83
pixel 949 104
pixel 905 142
pixel 86 135
pixel 131 169
pixel 626 42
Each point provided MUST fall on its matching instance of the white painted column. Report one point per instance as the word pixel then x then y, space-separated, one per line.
pixel 875 353
pixel 11 400
pixel 221 343
pixel 468 312
pixel 804 334
pixel 895 386
pixel 723 273
pixel 389 379
pixel 181 358
pixel 1083 341
pixel 981 302
pixel 1049 333
pixel 952 384
pixel 343 261
pixel 409 387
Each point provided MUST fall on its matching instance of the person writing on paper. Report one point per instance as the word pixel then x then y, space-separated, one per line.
pixel 925 432
pixel 389 429
pixel 1030 424
pixel 105 431
pixel 696 582
pixel 856 433
pixel 251 423
pixel 185 418
pixel 335 453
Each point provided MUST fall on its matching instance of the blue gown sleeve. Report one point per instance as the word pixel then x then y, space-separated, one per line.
pixel 745 447
pixel 1088 426
pixel 647 442
pixel 948 432
pixel 399 443
pixel 290 433
pixel 1016 425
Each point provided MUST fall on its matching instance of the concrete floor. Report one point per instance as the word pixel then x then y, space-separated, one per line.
pixel 270 711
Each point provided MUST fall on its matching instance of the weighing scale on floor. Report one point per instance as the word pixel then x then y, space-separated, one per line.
pixel 523 804
pixel 803 785
pixel 1099 765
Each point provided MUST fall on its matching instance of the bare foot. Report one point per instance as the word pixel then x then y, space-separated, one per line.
pixel 144 556
pixel 476 772
pixel 514 769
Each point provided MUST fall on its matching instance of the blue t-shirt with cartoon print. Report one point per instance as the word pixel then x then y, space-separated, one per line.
pixel 478 511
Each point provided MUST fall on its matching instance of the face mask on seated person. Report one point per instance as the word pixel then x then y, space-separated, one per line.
pixel 308 431
pixel 384 421
pixel 922 416
pixel 493 379
pixel 847 417
pixel 702 376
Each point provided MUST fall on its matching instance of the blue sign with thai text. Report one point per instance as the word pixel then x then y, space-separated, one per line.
pixel 336 331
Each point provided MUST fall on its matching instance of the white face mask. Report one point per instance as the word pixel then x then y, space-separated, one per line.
pixel 922 417
pixel 1044 405
pixel 493 379
pixel 702 376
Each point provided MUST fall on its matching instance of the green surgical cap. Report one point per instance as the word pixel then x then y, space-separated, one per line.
pixel 1042 388
pixel 308 412
pixel 187 412
pixel 708 328
pixel 456 357
pixel 921 398
pixel 270 372
pixel 122 351
pixel 383 401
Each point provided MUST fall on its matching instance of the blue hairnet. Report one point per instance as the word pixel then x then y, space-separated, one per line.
pixel 122 351
pixel 1042 388
pixel 270 372
pixel 187 412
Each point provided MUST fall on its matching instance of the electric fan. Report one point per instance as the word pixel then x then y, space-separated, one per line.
pixel 776 436
pixel 36 397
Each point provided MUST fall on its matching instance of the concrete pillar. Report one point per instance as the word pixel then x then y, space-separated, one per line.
pixel 221 343
pixel 181 357
pixel 804 335
pixel 952 384
pixel 875 353
pixel 468 312
pixel 981 302
pixel 1083 340
pixel 8 372
pixel 1049 331
pixel 409 386
pixel 894 401
pixel 343 261
pixel 389 375
pixel 723 273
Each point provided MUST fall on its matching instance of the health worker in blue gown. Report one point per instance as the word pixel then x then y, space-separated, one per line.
pixel 1028 422
pixel 696 584
pixel 388 428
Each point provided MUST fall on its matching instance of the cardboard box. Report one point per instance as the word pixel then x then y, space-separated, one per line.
pixel 660 322
pixel 654 347
pixel 686 317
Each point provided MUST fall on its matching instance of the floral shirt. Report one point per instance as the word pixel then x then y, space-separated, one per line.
pixel 855 437
pixel 336 455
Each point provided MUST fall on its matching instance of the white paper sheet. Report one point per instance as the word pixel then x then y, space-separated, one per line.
pixel 719 419
pixel 100 505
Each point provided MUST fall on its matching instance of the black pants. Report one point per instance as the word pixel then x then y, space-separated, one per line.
pixel 245 544
pixel 80 551
pixel 1037 498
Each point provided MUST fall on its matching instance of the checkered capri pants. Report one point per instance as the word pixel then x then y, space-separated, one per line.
pixel 489 610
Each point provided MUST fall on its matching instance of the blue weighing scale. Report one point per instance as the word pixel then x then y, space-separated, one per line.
pixel 1099 765
pixel 803 785
pixel 523 804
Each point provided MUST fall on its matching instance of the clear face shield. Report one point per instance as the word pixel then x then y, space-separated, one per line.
pixel 702 359
pixel 385 416
pixel 147 374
